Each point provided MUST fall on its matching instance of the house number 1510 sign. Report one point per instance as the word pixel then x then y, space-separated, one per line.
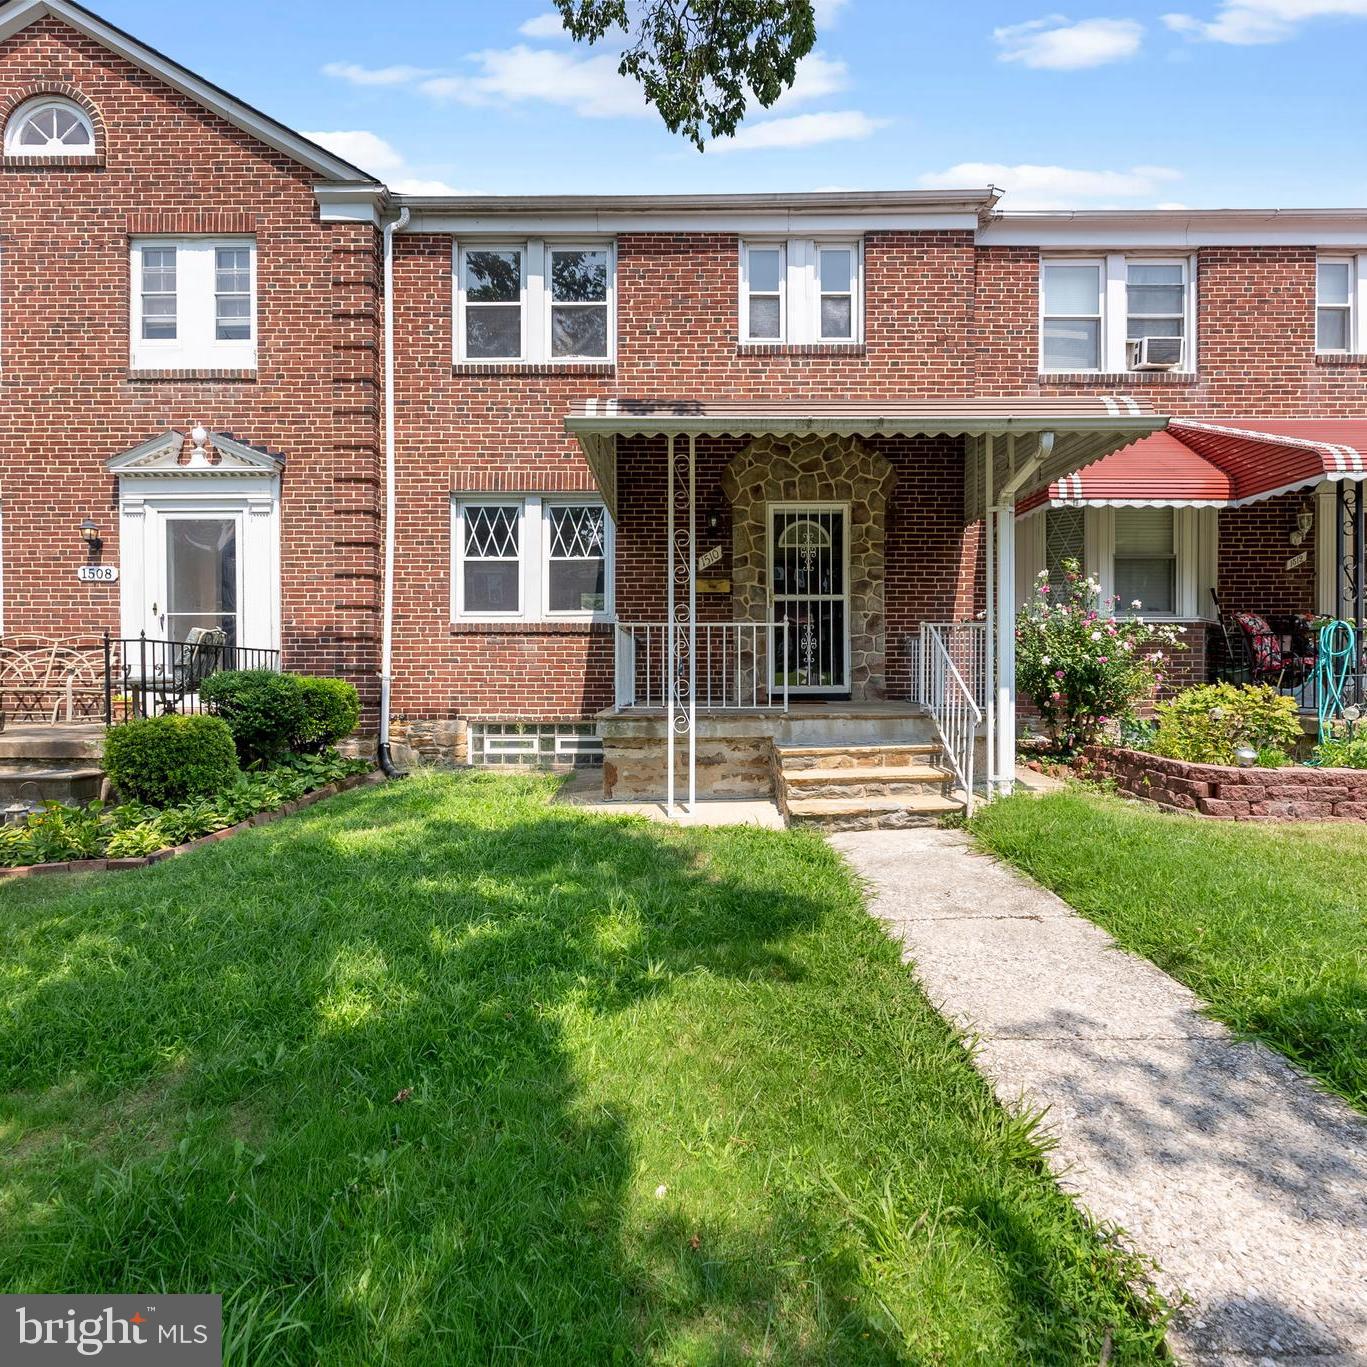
pixel 97 574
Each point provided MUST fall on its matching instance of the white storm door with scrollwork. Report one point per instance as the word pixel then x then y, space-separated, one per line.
pixel 809 589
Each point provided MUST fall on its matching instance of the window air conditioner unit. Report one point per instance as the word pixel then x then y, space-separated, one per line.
pixel 1154 353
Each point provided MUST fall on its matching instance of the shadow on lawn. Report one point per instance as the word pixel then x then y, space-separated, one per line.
pixel 373 1139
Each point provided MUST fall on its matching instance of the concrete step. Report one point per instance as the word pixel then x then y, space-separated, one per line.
pixel 878 780
pixel 794 758
pixel 27 747
pixel 870 813
pixel 35 785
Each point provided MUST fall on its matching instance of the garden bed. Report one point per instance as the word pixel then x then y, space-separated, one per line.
pixel 1293 793
pixel 259 818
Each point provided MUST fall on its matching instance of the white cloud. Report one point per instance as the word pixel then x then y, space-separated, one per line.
pixel 543 26
pixel 817 76
pixel 372 153
pixel 1055 44
pixel 801 130
pixel 827 12
pixel 1246 22
pixel 1055 187
pixel 366 75
pixel 591 86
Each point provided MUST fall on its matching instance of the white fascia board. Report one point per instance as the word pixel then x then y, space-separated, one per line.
pixel 260 126
pixel 607 224
pixel 358 203
pixel 1177 230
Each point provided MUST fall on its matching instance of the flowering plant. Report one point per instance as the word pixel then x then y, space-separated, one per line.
pixel 1080 665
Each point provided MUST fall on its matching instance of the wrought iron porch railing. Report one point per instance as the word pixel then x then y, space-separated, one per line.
pixel 147 678
pixel 732 661
pixel 948 698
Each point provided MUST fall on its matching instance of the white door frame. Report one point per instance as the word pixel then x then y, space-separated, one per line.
pixel 813 506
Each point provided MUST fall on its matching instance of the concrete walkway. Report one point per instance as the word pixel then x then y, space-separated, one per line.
pixel 1246 1184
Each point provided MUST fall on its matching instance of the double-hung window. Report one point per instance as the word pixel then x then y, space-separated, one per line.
pixel 531 557
pixel 1145 560
pixel 1117 313
pixel 193 304
pixel 800 290
pixel 1336 315
pixel 534 302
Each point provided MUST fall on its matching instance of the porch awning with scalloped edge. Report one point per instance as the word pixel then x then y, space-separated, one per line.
pixel 1085 428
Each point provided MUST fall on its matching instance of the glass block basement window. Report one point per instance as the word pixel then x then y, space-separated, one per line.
pixel 538 745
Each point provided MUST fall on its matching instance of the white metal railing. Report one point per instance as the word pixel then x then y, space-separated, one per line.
pixel 948 698
pixel 732 664
pixel 966 643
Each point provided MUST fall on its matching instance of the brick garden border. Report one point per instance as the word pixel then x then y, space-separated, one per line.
pixel 1295 793
pixel 171 851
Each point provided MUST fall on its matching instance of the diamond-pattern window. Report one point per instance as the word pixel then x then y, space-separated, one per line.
pixel 491 531
pixel 576 548
pixel 492 569
pixel 1065 538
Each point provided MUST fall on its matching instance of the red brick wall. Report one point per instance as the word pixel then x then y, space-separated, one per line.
pixel 70 402
pixel 1254 549
pixel 466 428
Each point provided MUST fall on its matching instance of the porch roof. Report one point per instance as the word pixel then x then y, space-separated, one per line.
pixel 1085 427
pixel 1197 464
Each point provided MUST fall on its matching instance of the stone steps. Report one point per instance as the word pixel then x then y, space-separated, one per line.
pixel 33 786
pixel 863 786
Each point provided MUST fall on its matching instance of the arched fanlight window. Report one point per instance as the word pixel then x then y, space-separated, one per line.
pixel 48 127
pixel 804 534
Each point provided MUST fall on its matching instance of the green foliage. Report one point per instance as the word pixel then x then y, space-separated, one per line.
pixel 1343 752
pixel 1137 733
pixel 331 711
pixel 1206 725
pixel 265 711
pixel 273 715
pixel 700 63
pixel 1081 666
pixel 165 760
pixel 58 833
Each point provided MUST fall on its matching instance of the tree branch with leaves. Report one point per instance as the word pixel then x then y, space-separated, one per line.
pixel 700 62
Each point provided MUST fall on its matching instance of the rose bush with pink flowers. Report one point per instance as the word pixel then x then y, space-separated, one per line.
pixel 1081 665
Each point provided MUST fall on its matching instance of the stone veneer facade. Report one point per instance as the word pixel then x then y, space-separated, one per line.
pixel 819 469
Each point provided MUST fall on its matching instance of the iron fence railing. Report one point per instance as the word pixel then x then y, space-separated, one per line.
pixel 144 677
pixel 946 695
pixel 966 645
pixel 731 665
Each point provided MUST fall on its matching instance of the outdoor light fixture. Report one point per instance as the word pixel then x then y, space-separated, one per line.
pixel 1245 757
pixel 1305 519
pixel 90 534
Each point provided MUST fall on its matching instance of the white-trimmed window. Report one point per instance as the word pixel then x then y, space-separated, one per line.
pixel 531 557
pixel 49 127
pixel 800 290
pixel 1164 558
pixel 1341 304
pixel 193 303
pixel 1145 561
pixel 534 302
pixel 1117 313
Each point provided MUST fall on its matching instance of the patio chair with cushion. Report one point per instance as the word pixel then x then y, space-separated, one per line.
pixel 185 666
pixel 1256 652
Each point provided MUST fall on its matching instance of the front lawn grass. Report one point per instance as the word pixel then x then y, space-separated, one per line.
pixel 443 1073
pixel 1265 922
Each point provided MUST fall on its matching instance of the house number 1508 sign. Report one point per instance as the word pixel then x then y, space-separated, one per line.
pixel 97 574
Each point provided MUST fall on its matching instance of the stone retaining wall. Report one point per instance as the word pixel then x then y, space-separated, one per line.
pixel 1291 794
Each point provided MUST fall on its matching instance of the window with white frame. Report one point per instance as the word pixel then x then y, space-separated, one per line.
pixel 1117 313
pixel 1336 314
pixel 49 127
pixel 531 557
pixel 193 304
pixel 800 290
pixel 1145 561
pixel 534 301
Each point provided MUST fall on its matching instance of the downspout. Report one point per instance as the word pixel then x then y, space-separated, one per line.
pixel 387 621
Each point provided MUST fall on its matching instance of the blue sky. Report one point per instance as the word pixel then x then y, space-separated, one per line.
pixel 1200 103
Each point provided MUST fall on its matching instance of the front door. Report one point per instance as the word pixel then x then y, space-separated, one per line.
pixel 809 590
pixel 201 578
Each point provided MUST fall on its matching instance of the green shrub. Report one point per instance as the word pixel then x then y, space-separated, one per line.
pixel 332 710
pixel 1343 752
pixel 265 711
pixel 165 760
pixel 1206 725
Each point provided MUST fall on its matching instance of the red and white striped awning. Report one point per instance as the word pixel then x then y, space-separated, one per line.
pixel 1198 464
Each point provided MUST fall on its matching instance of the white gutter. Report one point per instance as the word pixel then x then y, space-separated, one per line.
pixel 387 623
